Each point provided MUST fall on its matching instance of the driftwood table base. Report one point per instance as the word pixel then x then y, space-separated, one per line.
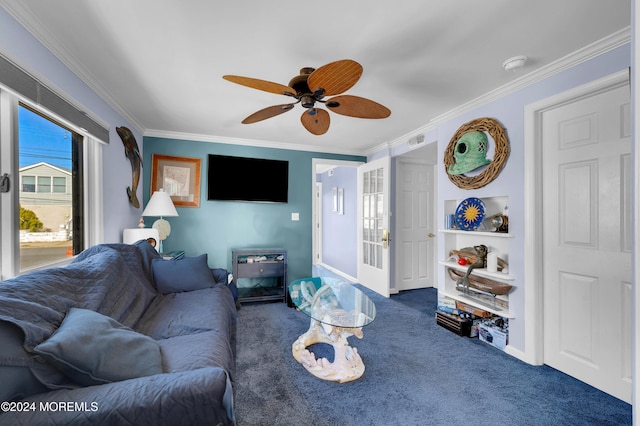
pixel 347 364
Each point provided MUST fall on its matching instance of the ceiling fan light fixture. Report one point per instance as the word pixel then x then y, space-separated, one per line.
pixel 311 86
pixel 307 101
pixel 318 93
pixel 514 63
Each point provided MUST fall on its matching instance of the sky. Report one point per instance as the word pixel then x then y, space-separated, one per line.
pixel 42 140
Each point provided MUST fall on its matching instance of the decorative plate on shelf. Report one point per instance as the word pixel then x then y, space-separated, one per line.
pixel 470 214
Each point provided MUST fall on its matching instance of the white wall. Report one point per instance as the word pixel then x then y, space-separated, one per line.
pixel 509 111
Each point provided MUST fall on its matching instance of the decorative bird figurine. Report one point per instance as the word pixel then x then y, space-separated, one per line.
pixel 132 152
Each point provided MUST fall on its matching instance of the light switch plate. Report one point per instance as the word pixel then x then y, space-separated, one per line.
pixel 295 216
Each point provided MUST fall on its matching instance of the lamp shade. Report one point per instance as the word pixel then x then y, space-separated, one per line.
pixel 160 205
pixel 130 236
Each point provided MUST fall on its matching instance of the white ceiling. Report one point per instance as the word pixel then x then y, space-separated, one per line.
pixel 160 63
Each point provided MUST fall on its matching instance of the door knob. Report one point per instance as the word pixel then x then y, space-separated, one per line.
pixel 431 235
pixel 386 238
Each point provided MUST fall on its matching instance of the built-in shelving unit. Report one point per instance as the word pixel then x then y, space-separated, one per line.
pixel 456 239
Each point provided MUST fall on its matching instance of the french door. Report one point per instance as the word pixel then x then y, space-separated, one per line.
pixel 373 226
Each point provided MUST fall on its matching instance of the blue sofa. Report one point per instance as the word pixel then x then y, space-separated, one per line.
pixel 118 337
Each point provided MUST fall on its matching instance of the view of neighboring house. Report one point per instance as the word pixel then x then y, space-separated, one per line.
pixel 45 189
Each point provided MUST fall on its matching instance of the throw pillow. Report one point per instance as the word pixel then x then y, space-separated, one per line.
pixel 186 274
pixel 17 379
pixel 91 348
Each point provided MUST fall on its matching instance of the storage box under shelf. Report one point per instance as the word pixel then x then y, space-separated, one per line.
pixel 460 326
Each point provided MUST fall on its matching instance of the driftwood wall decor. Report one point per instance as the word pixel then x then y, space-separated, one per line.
pixel 501 153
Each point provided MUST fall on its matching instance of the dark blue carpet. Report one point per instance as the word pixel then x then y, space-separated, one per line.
pixel 417 373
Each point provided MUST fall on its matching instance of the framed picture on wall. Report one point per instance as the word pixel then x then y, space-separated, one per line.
pixel 179 177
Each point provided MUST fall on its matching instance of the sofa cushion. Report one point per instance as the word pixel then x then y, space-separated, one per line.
pixel 17 379
pixel 186 274
pixel 91 349
pixel 195 351
pixel 190 312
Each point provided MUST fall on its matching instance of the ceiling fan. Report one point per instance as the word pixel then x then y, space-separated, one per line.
pixel 310 88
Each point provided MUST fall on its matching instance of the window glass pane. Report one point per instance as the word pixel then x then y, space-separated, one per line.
pixel 365 206
pixel 365 182
pixel 372 254
pixel 365 253
pixel 28 184
pixel 44 184
pixel 59 185
pixel 380 180
pixel 46 156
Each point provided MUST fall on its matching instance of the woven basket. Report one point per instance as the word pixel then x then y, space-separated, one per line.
pixel 500 155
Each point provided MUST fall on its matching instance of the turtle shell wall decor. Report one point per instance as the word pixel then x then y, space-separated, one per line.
pixel 501 153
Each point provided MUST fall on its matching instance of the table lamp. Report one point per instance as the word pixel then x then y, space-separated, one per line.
pixel 161 205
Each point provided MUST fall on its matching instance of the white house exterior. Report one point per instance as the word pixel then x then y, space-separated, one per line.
pixel 45 189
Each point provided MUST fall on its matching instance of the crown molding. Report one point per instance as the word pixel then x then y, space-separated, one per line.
pixel 24 17
pixel 248 142
pixel 33 25
pixel 591 51
pixel 584 54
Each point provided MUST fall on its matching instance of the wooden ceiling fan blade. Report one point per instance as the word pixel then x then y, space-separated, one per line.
pixel 267 112
pixel 355 106
pixel 316 121
pixel 336 77
pixel 264 85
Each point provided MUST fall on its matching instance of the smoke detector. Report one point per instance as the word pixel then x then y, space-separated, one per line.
pixel 514 63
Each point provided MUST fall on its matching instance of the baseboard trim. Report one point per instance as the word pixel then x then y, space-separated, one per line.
pixel 522 356
pixel 338 272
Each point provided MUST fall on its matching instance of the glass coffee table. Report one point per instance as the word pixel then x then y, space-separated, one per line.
pixel 337 310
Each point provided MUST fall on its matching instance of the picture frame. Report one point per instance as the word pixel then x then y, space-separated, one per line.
pixel 341 201
pixel 335 198
pixel 179 177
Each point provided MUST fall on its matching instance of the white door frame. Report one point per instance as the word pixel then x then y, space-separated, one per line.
pixel 317 224
pixel 398 221
pixel 533 264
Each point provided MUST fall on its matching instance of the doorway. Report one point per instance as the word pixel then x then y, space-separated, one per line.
pixel 415 224
pixel 579 242
pixel 324 220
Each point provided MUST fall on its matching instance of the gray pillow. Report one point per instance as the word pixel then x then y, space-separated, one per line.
pixel 185 274
pixel 17 379
pixel 92 349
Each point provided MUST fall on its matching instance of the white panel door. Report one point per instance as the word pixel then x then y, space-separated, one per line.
pixel 587 240
pixel 373 226
pixel 415 243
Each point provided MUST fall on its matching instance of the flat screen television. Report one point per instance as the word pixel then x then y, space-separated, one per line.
pixel 247 179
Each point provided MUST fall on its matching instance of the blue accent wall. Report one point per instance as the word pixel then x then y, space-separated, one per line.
pixel 340 232
pixel 217 227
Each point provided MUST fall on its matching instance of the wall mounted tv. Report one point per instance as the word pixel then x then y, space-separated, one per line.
pixel 248 179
